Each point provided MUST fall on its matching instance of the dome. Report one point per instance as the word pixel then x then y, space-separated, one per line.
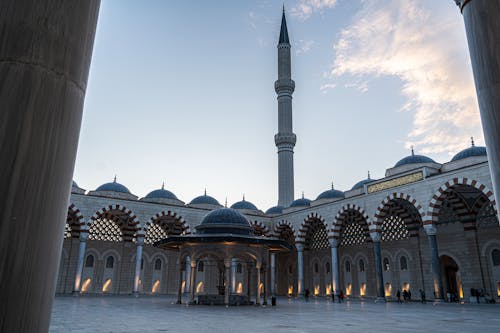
pixel 362 183
pixel 469 152
pixel 413 159
pixel 275 210
pixel 224 220
pixel 204 200
pixel 161 194
pixel 302 202
pixel 331 194
pixel 74 184
pixel 244 205
pixel 113 187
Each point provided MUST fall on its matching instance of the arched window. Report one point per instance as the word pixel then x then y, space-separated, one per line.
pixel 387 266
pixel 327 267
pixel 201 266
pixel 348 266
pixel 89 262
pixel 403 263
pixel 495 256
pixel 361 265
pixel 110 262
pixel 158 264
pixel 316 267
pixel 239 268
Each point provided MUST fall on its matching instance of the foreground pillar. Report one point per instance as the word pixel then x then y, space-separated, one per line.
pixel 192 281
pixel 45 53
pixel 187 275
pixel 138 261
pixel 81 257
pixel 179 290
pixel 482 25
pixel 266 281
pixel 257 294
pixel 334 242
pixel 378 265
pixel 249 278
pixel 227 280
pixel 436 264
pixel 233 275
pixel 273 274
pixel 300 269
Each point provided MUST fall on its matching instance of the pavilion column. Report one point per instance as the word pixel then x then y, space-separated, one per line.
pixel 187 276
pixel 481 19
pixel 227 280
pixel 81 257
pixel 138 260
pixel 431 231
pixel 273 274
pixel 192 281
pixel 334 242
pixel 249 279
pixel 179 291
pixel 300 269
pixel 45 53
pixel 257 294
pixel 266 281
pixel 233 275
pixel 376 236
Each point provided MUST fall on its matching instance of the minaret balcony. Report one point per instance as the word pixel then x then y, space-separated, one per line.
pixel 285 86
pixel 285 139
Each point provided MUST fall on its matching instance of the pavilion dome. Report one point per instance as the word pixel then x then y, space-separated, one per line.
pixel 161 194
pixel 243 204
pixel 473 150
pixel 302 202
pixel 275 210
pixel 331 194
pixel 224 220
pixel 204 200
pixel 113 187
pixel 414 159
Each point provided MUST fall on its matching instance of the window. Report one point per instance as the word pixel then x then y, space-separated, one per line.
pixel 110 261
pixel 327 267
pixel 239 268
pixel 201 266
pixel 348 266
pixel 89 262
pixel 386 265
pixel 361 265
pixel 403 263
pixel 316 267
pixel 495 256
pixel 158 264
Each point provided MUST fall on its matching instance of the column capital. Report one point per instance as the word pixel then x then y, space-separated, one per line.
pixel 140 240
pixel 334 242
pixel 299 247
pixel 376 236
pixel 430 229
pixel 84 235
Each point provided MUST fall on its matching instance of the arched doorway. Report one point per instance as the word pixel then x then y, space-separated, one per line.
pixel 451 278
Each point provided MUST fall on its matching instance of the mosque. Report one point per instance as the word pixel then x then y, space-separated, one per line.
pixel 425 226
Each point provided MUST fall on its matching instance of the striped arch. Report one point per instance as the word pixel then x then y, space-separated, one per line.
pixel 439 196
pixel 74 223
pixel 163 225
pixel 259 228
pixel 123 217
pixel 339 219
pixel 284 230
pixel 311 229
pixel 403 212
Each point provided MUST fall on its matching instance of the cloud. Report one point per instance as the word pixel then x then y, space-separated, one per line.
pixel 326 87
pixel 305 8
pixel 422 43
pixel 303 46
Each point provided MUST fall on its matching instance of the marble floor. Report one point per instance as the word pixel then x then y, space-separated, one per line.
pixel 127 314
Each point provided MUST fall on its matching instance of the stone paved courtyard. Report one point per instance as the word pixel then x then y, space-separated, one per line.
pixel 160 314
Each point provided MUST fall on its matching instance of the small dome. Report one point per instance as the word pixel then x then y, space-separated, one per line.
pixel 473 150
pixel 161 194
pixel 413 159
pixel 362 183
pixel 224 220
pixel 331 194
pixel 275 210
pixel 244 205
pixel 204 200
pixel 113 187
pixel 302 202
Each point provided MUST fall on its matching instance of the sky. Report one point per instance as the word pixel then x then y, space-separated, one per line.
pixel 182 92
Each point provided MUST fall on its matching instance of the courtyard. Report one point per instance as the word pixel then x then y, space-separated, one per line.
pixel 127 314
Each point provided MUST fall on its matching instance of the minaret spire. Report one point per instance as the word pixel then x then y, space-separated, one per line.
pixel 285 139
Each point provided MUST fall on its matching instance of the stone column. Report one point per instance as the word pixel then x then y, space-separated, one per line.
pixel 179 291
pixel 249 278
pixel 81 257
pixel 273 275
pixel 266 281
pixel 481 19
pixel 257 294
pixel 138 260
pixel 334 242
pixel 227 280
pixel 187 276
pixel 45 53
pixel 192 278
pixel 233 275
pixel 431 231
pixel 300 269
pixel 376 236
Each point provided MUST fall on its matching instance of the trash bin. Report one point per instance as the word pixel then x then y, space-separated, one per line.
pixel 273 301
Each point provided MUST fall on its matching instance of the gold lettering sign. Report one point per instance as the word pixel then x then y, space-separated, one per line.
pixel 414 177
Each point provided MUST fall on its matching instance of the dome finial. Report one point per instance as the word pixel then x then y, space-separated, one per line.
pixel 283 7
pixel 225 204
pixel 332 186
pixel 302 194
pixel 369 174
pixel 114 180
pixel 472 141
pixel 163 185
pixel 412 151
pixel 205 193
pixel 243 196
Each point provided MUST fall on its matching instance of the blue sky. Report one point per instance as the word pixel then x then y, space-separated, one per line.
pixel 182 92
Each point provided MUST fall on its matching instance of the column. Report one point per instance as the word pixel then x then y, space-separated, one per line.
pixel 249 278
pixel 300 269
pixel 227 280
pixel 334 242
pixel 233 275
pixel 257 294
pixel 483 36
pixel 273 274
pixel 192 280
pixel 266 286
pixel 179 291
pixel 378 265
pixel 431 231
pixel 138 260
pixel 81 257
pixel 187 281
pixel 45 53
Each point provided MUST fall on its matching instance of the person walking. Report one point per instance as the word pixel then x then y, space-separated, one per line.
pixel 398 296
pixel 422 296
pixel 341 296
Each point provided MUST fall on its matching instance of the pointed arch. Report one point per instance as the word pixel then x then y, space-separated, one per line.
pixel 284 230
pixel 165 224
pixel 314 232
pixel 114 223
pixel 351 225
pixel 74 222
pixel 259 228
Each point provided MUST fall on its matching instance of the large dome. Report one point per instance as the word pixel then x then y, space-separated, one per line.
pixel 302 202
pixel 161 194
pixel 243 204
pixel 414 159
pixel 224 220
pixel 469 152
pixel 204 200
pixel 113 187
pixel 274 210
pixel 331 194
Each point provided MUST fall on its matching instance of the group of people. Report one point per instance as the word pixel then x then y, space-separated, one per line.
pixel 407 296
pixel 340 297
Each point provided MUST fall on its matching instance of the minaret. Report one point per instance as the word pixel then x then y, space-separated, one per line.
pixel 285 139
